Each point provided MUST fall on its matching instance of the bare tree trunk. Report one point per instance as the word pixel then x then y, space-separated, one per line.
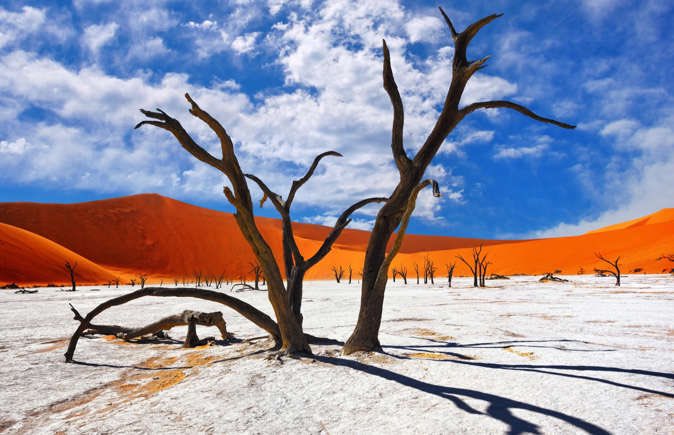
pixel 411 170
pixel 70 268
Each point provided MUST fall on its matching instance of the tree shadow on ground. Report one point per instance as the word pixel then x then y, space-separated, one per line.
pixel 499 407
pixel 556 370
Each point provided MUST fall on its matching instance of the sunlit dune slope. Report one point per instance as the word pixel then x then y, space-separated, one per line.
pixel 165 238
pixel 664 215
pixel 32 259
pixel 639 247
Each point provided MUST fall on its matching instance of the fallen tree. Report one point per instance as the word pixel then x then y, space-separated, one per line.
pixel 186 318
pixel 245 309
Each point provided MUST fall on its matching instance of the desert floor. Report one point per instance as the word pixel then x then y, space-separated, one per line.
pixel 518 356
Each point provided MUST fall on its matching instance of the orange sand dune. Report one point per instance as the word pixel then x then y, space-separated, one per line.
pixel 664 215
pixel 31 259
pixel 165 238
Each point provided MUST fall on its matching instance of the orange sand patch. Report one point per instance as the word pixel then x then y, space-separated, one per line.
pixel 528 355
pixel 425 332
pixel 149 384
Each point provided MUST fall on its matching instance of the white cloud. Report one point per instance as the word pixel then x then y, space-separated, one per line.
pixel 16 25
pixel 97 35
pixel 646 185
pixel 521 152
pixel 245 43
pixel 16 147
pixel 424 29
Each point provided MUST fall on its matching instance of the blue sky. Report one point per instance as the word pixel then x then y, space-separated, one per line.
pixel 290 79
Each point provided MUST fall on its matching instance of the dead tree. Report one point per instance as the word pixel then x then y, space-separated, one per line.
pixel 350 273
pixel 412 169
pixel 484 264
pixel 70 268
pixel 429 270
pixel 141 280
pixel 116 281
pixel 615 267
pixel 256 270
pixel 164 324
pixel 394 273
pixel 402 271
pixel 474 267
pixel 251 313
pixel 416 270
pixel 338 272
pixel 198 275
pixel 132 282
pixel 285 299
pixel 450 273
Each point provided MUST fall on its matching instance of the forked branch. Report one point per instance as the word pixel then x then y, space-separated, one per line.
pixel 501 104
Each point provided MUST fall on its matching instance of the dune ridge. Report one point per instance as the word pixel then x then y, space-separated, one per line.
pixel 165 238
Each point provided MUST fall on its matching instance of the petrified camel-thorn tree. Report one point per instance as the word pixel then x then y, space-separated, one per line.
pixel 615 267
pixel 484 264
pixel 286 302
pixel 70 268
pixel 450 273
pixel 187 317
pixel 296 266
pixel 412 168
pixel 475 268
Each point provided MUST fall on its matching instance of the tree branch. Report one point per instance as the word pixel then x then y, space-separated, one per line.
pixel 341 223
pixel 399 154
pixel 173 126
pixel 452 30
pixel 500 104
pixel 275 198
pixel 298 183
pixel 402 229
pixel 460 257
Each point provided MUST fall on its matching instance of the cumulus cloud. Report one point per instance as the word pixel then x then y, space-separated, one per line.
pixel 97 35
pixel 646 185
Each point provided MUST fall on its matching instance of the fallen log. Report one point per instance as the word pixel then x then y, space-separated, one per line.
pixel 246 310
pixel 187 317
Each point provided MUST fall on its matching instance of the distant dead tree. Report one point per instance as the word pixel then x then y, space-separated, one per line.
pixel 70 268
pixel 475 265
pixel 256 270
pixel 394 273
pixel 350 273
pixel 484 264
pixel 218 280
pixel 450 273
pixel 338 271
pixel 411 170
pixel 132 282
pixel 416 270
pixel 141 280
pixel 116 281
pixel 402 271
pixel 615 267
pixel 429 270
pixel 198 276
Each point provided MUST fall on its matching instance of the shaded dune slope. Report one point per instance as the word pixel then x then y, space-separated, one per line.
pixel 28 258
